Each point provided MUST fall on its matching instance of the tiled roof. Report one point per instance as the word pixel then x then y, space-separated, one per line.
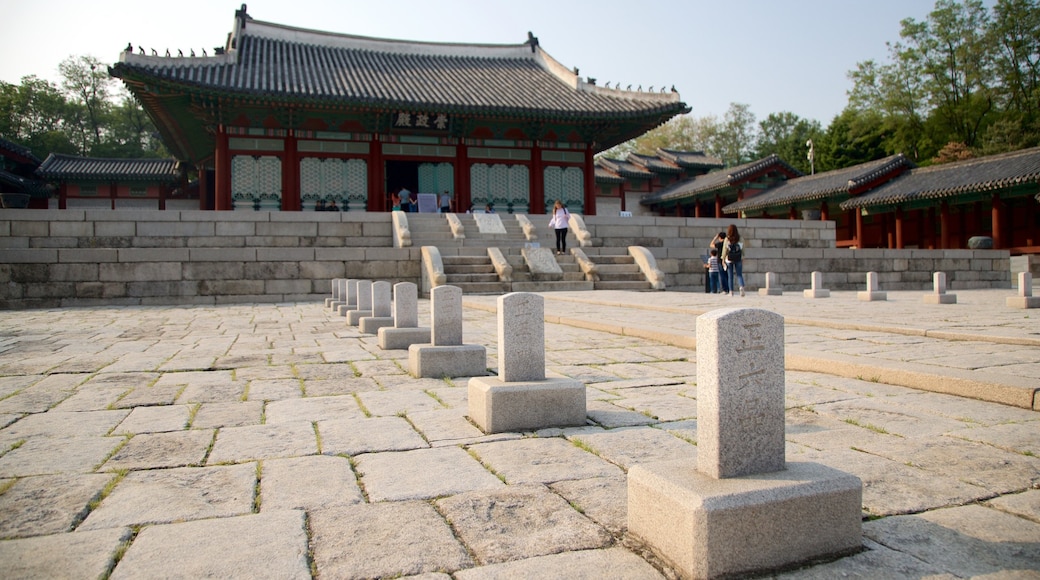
pixel 279 62
pixel 654 164
pixel 17 150
pixel 722 179
pixel 20 184
pixel 824 185
pixel 691 159
pixel 624 168
pixel 953 179
pixel 604 175
pixel 90 168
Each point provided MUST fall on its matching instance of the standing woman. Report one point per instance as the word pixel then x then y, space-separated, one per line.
pixel 733 255
pixel 560 219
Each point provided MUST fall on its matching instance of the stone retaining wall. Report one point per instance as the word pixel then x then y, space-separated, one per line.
pixel 54 258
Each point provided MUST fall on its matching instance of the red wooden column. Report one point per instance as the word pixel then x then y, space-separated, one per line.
pixel 63 195
pixel 929 229
pixel 162 195
pixel 462 192
pixel 899 228
pixel 222 172
pixel 697 209
pixel 718 205
pixel 203 186
pixel 537 182
pixel 944 226
pixel 859 228
pixel 590 182
pixel 824 213
pixel 291 175
pixel 377 198
pixel 113 189
pixel 792 214
pixel 998 206
pixel 621 190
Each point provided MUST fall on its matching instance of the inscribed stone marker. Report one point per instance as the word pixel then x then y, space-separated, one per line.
pixel 406 305
pixel 364 295
pixel 740 392
pixel 381 299
pixel 521 337
pixel 446 316
pixel 352 293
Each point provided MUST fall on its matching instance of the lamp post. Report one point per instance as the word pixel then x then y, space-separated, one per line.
pixel 811 157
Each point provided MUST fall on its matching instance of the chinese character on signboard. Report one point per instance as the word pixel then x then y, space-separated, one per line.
pixel 424 121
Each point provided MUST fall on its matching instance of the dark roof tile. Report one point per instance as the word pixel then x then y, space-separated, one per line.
pixel 58 166
pixel 721 179
pixel 691 159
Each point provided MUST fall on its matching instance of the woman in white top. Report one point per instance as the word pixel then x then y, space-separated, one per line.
pixel 560 219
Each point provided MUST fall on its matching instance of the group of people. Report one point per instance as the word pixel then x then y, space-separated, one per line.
pixel 726 262
pixel 403 200
pixel 320 205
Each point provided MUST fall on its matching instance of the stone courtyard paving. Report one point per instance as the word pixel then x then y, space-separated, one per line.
pixel 275 441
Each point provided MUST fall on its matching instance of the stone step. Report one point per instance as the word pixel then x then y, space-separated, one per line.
pixel 551 286
pixel 469 269
pixel 622 285
pixel 612 269
pixel 478 260
pixel 600 259
pixel 482 287
pixel 455 279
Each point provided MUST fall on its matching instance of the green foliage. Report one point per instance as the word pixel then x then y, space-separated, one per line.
pixel 88 114
pixel 786 135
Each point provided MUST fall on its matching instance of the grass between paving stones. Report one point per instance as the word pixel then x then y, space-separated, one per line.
pixel 126 440
pixel 364 409
pixel 303 388
pixel 404 416
pixel 6 485
pixel 434 396
pixel 311 563
pixel 317 435
pixel 256 486
pixel 245 393
pixel 353 367
pixel 870 427
pixel 117 556
pixel 675 434
pixel 485 465
pixel 13 446
pixel 192 411
pixel 97 499
pixel 357 476
pixel 209 448
pixel 263 413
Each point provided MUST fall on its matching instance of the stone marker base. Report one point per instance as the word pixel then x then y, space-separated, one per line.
pixel 496 406
pixel 401 338
pixel 771 291
pixel 354 316
pixel 463 360
pixel 940 298
pixel 344 308
pixel 818 293
pixel 372 324
pixel 331 303
pixel 1023 302
pixel 868 296
pixel 708 528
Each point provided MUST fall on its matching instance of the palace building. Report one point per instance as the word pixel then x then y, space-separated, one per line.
pixel 284 118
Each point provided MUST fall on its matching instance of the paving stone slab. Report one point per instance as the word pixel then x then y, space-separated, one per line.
pixel 378 541
pixel 378 369
pixel 519 522
pixel 162 450
pixel 1025 504
pixel 875 561
pixel 155 419
pixel 583 565
pixel 966 541
pixel 171 495
pixel 638 383
pixel 602 499
pixel 65 424
pixel 422 474
pixel 45 455
pixel 308 483
pixel 313 409
pixel 146 396
pixel 236 444
pixel 237 414
pixel 445 426
pixel 326 371
pixel 47 504
pixel 333 387
pixel 274 389
pixel 609 415
pixel 626 447
pixel 660 406
pixel 994 469
pixel 408 383
pixel 1017 437
pixel 62 556
pixel 266 545
pixel 897 420
pixel 43 395
pixel 353 436
pixel 250 373
pixel 387 403
pixel 541 460
pixel 91 399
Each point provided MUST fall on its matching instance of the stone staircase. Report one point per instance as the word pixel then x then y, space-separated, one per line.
pixel 467 265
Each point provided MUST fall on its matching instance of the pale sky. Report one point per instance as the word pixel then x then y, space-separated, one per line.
pixel 775 55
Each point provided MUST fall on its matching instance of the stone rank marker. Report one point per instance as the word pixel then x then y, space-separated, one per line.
pixel 405 332
pixel 381 313
pixel 740 507
pixel 446 356
pixel 773 287
pixel 521 397
pixel 816 290
pixel 1025 298
pixel 336 298
pixel 938 294
pixel 364 303
pixel 350 297
pixel 872 293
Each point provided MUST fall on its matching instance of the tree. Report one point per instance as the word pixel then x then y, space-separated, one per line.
pixel 735 140
pixel 683 133
pixel 854 136
pixel 88 89
pixel 33 114
pixel 1014 35
pixel 786 134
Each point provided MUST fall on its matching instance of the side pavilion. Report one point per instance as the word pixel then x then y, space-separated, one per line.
pixel 286 117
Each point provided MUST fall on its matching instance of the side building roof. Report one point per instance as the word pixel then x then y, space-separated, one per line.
pixel 18 153
pixel 719 180
pixel 73 168
pixel 691 159
pixel 837 183
pixel 951 180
